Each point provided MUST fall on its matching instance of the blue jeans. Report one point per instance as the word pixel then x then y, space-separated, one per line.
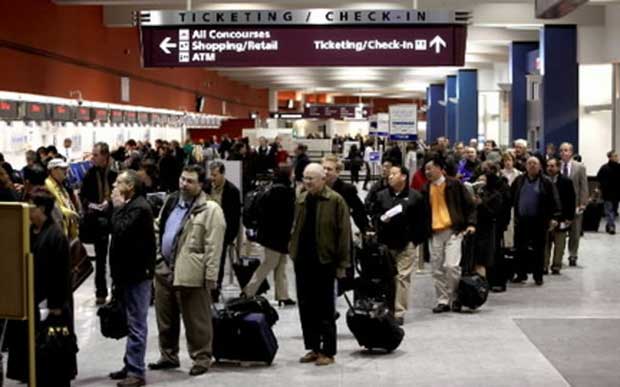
pixel 611 207
pixel 136 298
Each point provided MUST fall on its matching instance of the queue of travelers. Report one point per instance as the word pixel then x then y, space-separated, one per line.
pixel 512 203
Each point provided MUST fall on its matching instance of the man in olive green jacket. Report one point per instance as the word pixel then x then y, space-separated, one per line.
pixel 191 235
pixel 320 247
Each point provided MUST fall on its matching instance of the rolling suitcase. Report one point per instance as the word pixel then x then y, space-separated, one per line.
pixel 473 289
pixel 245 337
pixel 592 216
pixel 373 325
pixel 244 268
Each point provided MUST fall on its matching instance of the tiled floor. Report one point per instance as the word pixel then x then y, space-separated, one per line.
pixel 486 348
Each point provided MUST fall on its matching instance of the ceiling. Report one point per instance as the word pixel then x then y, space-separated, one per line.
pixel 495 24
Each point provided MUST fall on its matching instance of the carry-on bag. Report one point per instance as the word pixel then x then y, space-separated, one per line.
pixel 473 288
pixel 257 304
pixel 244 268
pixel 592 216
pixel 373 325
pixel 113 320
pixel 246 338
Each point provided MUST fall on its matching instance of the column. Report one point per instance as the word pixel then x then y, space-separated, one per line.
pixel 273 100
pixel 518 69
pixel 450 121
pixel 560 85
pixel 467 108
pixel 615 105
pixel 436 113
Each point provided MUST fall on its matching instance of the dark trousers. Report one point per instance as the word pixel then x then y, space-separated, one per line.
pixel 101 262
pixel 315 296
pixel 220 274
pixel 355 174
pixel 530 239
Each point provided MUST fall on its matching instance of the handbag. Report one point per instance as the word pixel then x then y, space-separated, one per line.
pixel 113 320
pixel 56 350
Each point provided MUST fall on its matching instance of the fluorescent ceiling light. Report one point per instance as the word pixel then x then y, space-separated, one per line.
pixel 358 85
pixel 412 86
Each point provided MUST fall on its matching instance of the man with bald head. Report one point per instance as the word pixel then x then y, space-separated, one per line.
pixel 537 210
pixel 320 247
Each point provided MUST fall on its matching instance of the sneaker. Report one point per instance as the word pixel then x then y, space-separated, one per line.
pixel 572 261
pixel 324 360
pixel 440 308
pixel 310 357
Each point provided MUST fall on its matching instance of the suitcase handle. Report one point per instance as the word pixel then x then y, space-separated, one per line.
pixel 348 300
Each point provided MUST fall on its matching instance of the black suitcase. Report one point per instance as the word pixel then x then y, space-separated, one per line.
pixel 473 289
pixel 592 216
pixel 373 325
pixel 377 269
pixel 246 337
pixel 257 304
pixel 244 268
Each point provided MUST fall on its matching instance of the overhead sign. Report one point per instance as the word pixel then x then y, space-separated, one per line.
pixel 116 116
pixel 82 114
pixel 302 17
pixel 36 111
pixel 8 109
pixel 404 122
pixel 61 113
pixel 337 112
pixel 383 124
pixel 412 45
pixel 100 115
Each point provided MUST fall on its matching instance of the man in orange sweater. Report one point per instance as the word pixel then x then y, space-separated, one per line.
pixel 452 215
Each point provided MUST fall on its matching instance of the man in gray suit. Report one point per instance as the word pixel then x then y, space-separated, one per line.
pixel 576 171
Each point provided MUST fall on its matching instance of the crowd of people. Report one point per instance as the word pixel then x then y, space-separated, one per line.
pixel 519 210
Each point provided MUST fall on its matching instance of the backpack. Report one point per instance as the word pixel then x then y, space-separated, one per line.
pixel 252 206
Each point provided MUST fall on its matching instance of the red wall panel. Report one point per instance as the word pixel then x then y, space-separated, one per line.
pixel 51 50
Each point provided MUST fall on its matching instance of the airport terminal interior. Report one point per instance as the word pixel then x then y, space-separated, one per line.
pixel 309 193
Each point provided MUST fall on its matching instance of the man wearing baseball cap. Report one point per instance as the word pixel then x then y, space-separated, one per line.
pixel 54 183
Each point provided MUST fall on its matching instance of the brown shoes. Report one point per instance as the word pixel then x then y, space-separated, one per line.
pixel 324 360
pixel 310 357
pixel 317 358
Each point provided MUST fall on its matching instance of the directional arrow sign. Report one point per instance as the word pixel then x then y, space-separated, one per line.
pixel 438 42
pixel 165 45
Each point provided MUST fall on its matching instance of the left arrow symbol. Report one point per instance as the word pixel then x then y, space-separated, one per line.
pixel 165 45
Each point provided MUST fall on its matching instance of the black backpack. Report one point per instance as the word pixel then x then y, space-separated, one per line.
pixel 252 206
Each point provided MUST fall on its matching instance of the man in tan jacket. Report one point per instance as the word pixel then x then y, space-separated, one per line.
pixel 191 234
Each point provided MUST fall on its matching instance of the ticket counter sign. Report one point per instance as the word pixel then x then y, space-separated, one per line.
pixel 404 122
pixel 322 38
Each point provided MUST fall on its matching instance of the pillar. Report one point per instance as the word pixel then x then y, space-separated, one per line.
pixel 467 108
pixel 518 69
pixel 560 85
pixel 436 113
pixel 450 121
